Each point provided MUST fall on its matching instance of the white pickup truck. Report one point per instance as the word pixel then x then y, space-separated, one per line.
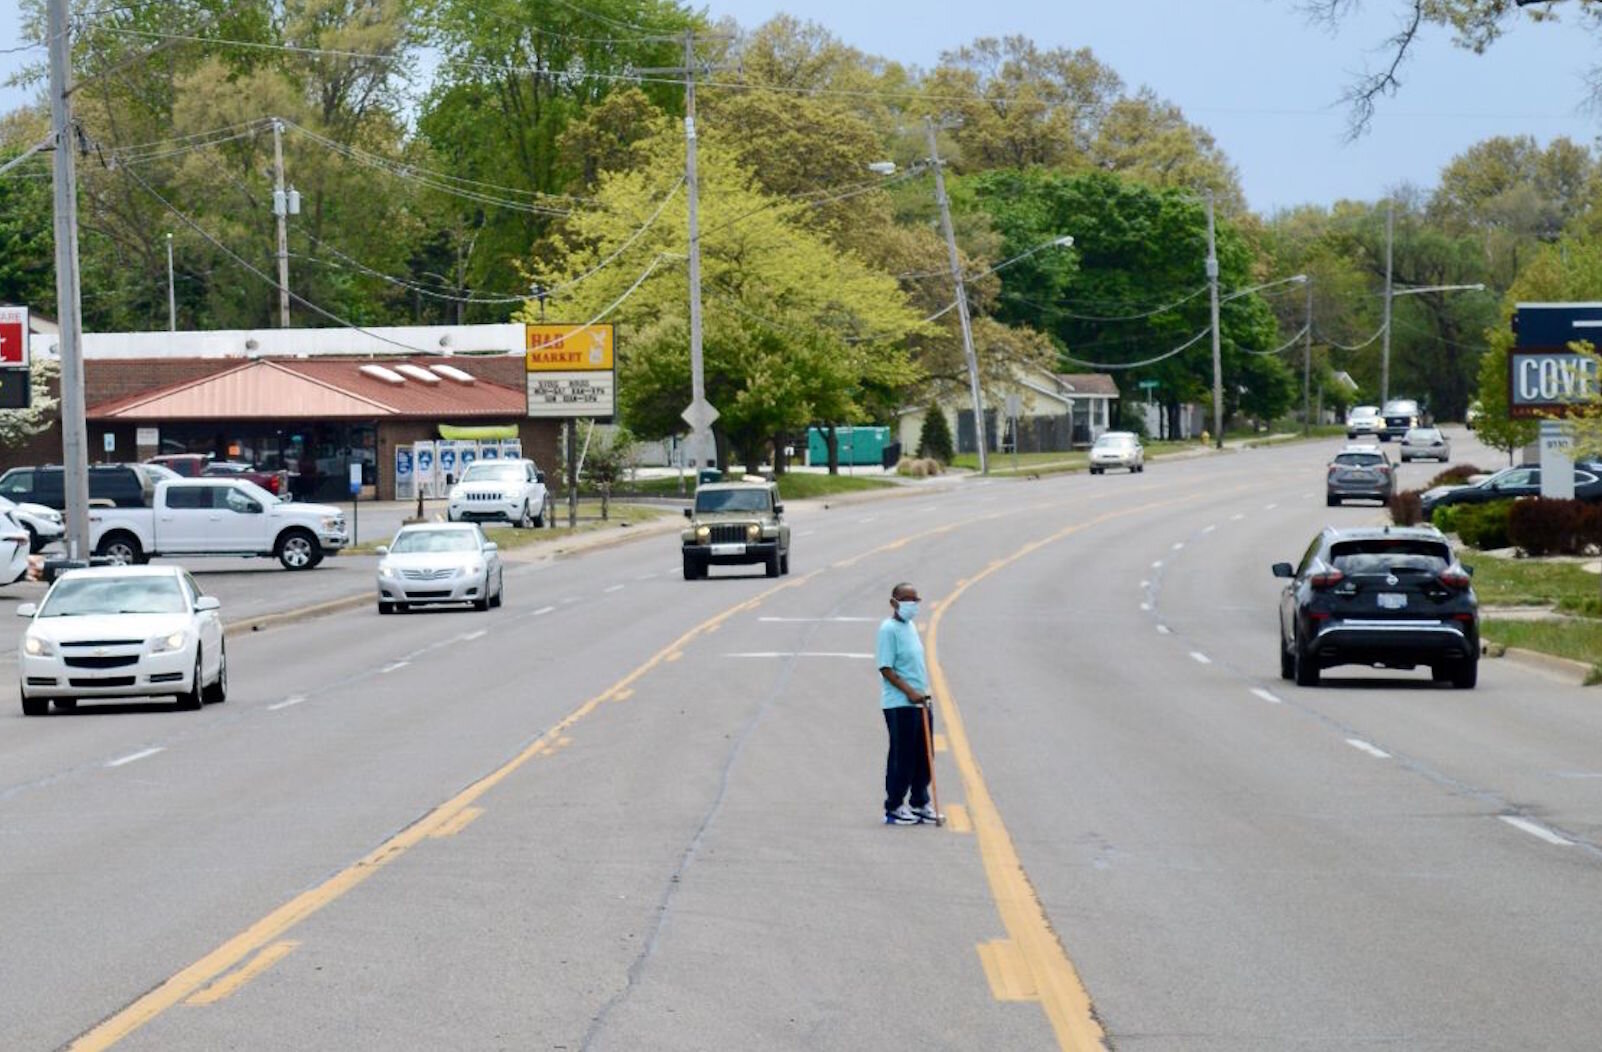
pixel 218 516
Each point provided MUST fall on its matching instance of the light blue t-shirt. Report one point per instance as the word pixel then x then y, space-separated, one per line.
pixel 901 650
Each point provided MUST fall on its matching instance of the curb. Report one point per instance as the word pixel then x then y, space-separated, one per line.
pixel 305 613
pixel 1566 670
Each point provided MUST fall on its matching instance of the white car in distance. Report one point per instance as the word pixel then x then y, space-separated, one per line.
pixel 1117 449
pixel 437 562
pixel 500 491
pixel 122 632
pixel 15 546
pixel 1364 420
pixel 44 525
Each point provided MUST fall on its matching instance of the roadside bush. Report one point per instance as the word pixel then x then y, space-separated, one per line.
pixel 1484 526
pixel 920 467
pixel 1456 475
pixel 1445 518
pixel 934 438
pixel 1406 508
pixel 1554 527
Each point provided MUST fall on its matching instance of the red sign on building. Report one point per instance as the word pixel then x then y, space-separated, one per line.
pixel 13 336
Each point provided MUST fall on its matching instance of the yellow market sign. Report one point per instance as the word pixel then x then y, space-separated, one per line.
pixel 568 348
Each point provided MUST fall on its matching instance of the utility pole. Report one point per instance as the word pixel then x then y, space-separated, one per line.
pixel 1307 363
pixel 979 430
pixel 1385 346
pixel 281 211
pixel 700 415
pixel 172 296
pixel 1218 360
pixel 69 301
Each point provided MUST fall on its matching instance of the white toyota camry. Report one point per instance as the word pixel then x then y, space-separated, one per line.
pixel 440 562
pixel 121 632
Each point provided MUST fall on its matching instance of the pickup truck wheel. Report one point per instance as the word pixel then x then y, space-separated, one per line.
pixel 35 706
pixel 195 696
pixel 121 548
pixel 217 693
pixel 298 550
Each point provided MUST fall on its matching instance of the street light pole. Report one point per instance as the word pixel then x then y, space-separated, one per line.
pixel 962 299
pixel 1218 360
pixel 281 213
pixel 1307 363
pixel 172 296
pixel 1385 345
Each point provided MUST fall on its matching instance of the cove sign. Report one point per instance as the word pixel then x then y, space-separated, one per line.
pixel 1546 377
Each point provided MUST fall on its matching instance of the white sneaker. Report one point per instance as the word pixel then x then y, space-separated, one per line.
pixel 901 816
pixel 927 813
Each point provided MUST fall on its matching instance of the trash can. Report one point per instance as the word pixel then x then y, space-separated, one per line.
pixel 708 475
pixel 891 457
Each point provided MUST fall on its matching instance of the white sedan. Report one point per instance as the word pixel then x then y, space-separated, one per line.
pixel 43 524
pixel 122 632
pixel 1117 449
pixel 440 562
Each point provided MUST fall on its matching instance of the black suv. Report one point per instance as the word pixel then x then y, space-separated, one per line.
pixel 122 485
pixel 1392 597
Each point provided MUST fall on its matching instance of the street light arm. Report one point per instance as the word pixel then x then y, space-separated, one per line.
pixel 1478 286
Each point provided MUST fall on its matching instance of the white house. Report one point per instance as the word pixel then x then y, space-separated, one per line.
pixel 1056 413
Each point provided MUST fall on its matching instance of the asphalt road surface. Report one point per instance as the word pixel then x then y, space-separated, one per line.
pixel 633 812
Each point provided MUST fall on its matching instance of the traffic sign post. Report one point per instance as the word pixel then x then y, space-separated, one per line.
pixel 355 499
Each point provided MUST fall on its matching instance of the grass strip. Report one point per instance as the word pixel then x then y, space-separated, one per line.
pixel 1535 582
pixel 1577 640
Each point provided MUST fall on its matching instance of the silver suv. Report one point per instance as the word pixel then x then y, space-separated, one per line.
pixel 1359 472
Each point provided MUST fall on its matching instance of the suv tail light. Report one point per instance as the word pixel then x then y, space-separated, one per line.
pixel 1326 578
pixel 1455 576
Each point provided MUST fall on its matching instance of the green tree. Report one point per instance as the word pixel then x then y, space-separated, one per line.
pixel 794 330
pixel 19 425
pixel 934 438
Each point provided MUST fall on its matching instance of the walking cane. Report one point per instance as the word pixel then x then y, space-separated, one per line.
pixel 928 748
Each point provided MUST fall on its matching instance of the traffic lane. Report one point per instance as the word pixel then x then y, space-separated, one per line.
pixel 1189 819
pixel 703 865
pixel 1519 737
pixel 345 763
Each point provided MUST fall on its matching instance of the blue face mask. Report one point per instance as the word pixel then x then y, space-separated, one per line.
pixel 907 608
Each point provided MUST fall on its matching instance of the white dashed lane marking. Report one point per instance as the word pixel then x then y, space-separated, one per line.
pixel 1200 658
pixel 1536 830
pixel 469 637
pixel 293 699
pixel 1373 750
pixel 1164 630
pixel 1266 695
pixel 393 666
pixel 131 757
pixel 544 610
pixel 615 588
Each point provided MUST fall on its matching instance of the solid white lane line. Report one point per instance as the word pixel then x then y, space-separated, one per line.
pixel 812 620
pixel 615 588
pixel 544 610
pixel 131 757
pixel 469 637
pixel 1535 830
pixel 392 666
pixel 293 699
pixel 799 653
pixel 1373 750
pixel 1164 630
pixel 1267 696
pixel 1200 658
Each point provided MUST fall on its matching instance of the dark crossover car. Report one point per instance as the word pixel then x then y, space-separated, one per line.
pixel 1387 597
pixel 1511 483
pixel 119 485
pixel 1359 473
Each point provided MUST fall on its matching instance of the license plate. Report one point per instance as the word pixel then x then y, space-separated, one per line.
pixel 1392 600
pixel 728 549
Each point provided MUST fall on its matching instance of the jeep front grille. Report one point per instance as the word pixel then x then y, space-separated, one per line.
pixel 728 533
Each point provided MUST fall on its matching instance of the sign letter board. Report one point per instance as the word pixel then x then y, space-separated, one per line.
pixel 571 371
pixel 1545 376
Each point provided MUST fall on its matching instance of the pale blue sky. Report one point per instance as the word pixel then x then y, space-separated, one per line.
pixel 1254 72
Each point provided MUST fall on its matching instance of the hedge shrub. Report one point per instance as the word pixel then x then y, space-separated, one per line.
pixel 1482 526
pixel 1406 508
pixel 1456 475
pixel 1555 527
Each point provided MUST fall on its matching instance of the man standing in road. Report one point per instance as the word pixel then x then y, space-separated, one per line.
pixel 903 693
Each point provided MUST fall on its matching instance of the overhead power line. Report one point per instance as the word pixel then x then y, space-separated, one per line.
pixel 1282 348
pixel 1187 345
